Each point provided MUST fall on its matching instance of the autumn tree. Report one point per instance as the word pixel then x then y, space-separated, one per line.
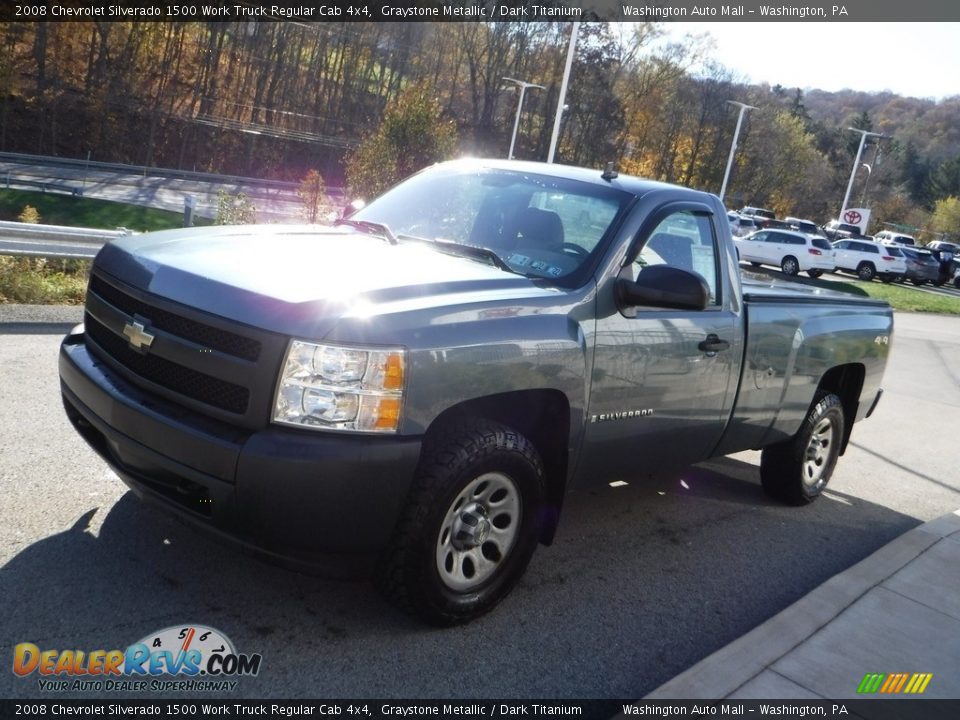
pixel 234 209
pixel 312 193
pixel 946 216
pixel 412 136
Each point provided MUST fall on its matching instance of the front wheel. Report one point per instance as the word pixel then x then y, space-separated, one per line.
pixel 470 526
pixel 797 470
pixel 790 266
pixel 866 272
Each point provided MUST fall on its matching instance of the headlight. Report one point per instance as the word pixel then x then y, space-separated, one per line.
pixel 325 387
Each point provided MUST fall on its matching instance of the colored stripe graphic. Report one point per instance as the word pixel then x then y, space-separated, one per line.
pixel 894 683
pixel 870 683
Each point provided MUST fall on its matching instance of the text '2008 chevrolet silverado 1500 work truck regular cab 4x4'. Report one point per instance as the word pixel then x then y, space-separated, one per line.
pixel 417 389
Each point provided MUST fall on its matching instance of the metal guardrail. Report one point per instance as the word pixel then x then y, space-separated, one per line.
pixel 54 241
pixel 160 172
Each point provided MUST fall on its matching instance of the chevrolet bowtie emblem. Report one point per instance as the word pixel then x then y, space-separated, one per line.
pixel 137 335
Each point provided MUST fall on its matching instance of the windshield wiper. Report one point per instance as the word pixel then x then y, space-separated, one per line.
pixel 471 251
pixel 369 227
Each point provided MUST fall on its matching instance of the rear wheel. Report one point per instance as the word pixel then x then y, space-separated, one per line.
pixel 790 266
pixel 918 282
pixel 797 470
pixel 755 264
pixel 470 526
pixel 866 271
pixel 814 273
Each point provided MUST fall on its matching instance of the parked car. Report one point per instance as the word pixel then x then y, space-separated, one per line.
pixel 758 213
pixel 897 268
pixel 868 259
pixel 888 237
pixel 747 225
pixel 922 266
pixel 792 251
pixel 947 254
pixel 768 224
pixel 805 226
pixel 836 230
pixel 734 219
pixel 414 392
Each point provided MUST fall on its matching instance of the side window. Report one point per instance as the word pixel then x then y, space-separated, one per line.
pixel 872 248
pixel 686 240
pixel 761 237
pixel 842 245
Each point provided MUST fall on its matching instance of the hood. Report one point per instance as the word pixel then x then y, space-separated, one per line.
pixel 299 278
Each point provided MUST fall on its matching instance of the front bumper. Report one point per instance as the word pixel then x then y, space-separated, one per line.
pixel 314 500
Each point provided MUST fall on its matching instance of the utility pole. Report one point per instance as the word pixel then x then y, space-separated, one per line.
pixel 563 90
pixel 856 166
pixel 516 121
pixel 733 146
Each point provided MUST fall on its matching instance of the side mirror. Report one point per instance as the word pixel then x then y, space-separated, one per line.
pixel 664 286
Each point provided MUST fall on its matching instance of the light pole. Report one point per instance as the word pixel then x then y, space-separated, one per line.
pixel 516 121
pixel 563 90
pixel 863 198
pixel 856 166
pixel 733 145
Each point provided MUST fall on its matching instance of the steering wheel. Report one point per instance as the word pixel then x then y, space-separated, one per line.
pixel 574 249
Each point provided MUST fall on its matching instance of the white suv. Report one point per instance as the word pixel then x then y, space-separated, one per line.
pixel 791 251
pixel 870 259
pixel 888 237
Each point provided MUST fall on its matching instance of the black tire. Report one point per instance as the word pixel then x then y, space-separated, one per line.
pixel 814 273
pixel 886 279
pixel 866 271
pixel 797 470
pixel 450 560
pixel 789 266
pixel 755 264
pixel 918 282
pixel 956 282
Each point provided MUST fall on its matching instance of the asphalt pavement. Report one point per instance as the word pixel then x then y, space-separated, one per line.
pixel 642 584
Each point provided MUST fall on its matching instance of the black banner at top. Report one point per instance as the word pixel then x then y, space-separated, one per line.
pixel 467 11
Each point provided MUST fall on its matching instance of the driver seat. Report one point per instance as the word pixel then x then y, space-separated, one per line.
pixel 535 228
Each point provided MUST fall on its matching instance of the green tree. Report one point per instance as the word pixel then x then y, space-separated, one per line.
pixel 412 136
pixel 235 209
pixel 313 195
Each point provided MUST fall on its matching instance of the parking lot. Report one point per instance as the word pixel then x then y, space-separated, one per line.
pixel 642 582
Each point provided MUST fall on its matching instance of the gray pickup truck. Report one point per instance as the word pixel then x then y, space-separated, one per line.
pixel 414 391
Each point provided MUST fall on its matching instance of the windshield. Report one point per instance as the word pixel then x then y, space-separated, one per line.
pixel 540 226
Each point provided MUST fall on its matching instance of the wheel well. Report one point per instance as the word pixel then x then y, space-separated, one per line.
pixel 846 382
pixel 543 417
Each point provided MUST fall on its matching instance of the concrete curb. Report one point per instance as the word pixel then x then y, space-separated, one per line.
pixel 733 666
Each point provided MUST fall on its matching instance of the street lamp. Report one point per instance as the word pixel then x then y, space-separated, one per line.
pixel 516 121
pixel 856 166
pixel 733 145
pixel 863 198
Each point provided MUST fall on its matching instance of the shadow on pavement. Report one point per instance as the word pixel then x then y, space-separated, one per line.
pixel 641 583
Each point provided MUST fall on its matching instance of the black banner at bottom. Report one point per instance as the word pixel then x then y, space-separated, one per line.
pixel 876 709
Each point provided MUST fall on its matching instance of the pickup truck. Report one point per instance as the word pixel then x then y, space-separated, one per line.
pixel 414 391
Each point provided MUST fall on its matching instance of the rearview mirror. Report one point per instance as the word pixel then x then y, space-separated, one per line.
pixel 664 286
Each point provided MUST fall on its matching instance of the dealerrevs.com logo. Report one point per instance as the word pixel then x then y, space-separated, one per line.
pixel 200 658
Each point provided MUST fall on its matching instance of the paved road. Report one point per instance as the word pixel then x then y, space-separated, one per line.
pixel 273 204
pixel 642 582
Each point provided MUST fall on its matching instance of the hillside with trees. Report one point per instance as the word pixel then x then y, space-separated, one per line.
pixel 276 100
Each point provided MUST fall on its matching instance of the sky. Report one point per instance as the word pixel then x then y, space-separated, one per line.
pixel 911 59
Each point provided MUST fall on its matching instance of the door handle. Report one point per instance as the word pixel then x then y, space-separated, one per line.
pixel 713 344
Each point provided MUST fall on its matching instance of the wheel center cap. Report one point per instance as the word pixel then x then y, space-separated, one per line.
pixel 471 528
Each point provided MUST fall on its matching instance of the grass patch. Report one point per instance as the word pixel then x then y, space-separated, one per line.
pixel 908 299
pixel 38 281
pixel 56 209
pixel 904 298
